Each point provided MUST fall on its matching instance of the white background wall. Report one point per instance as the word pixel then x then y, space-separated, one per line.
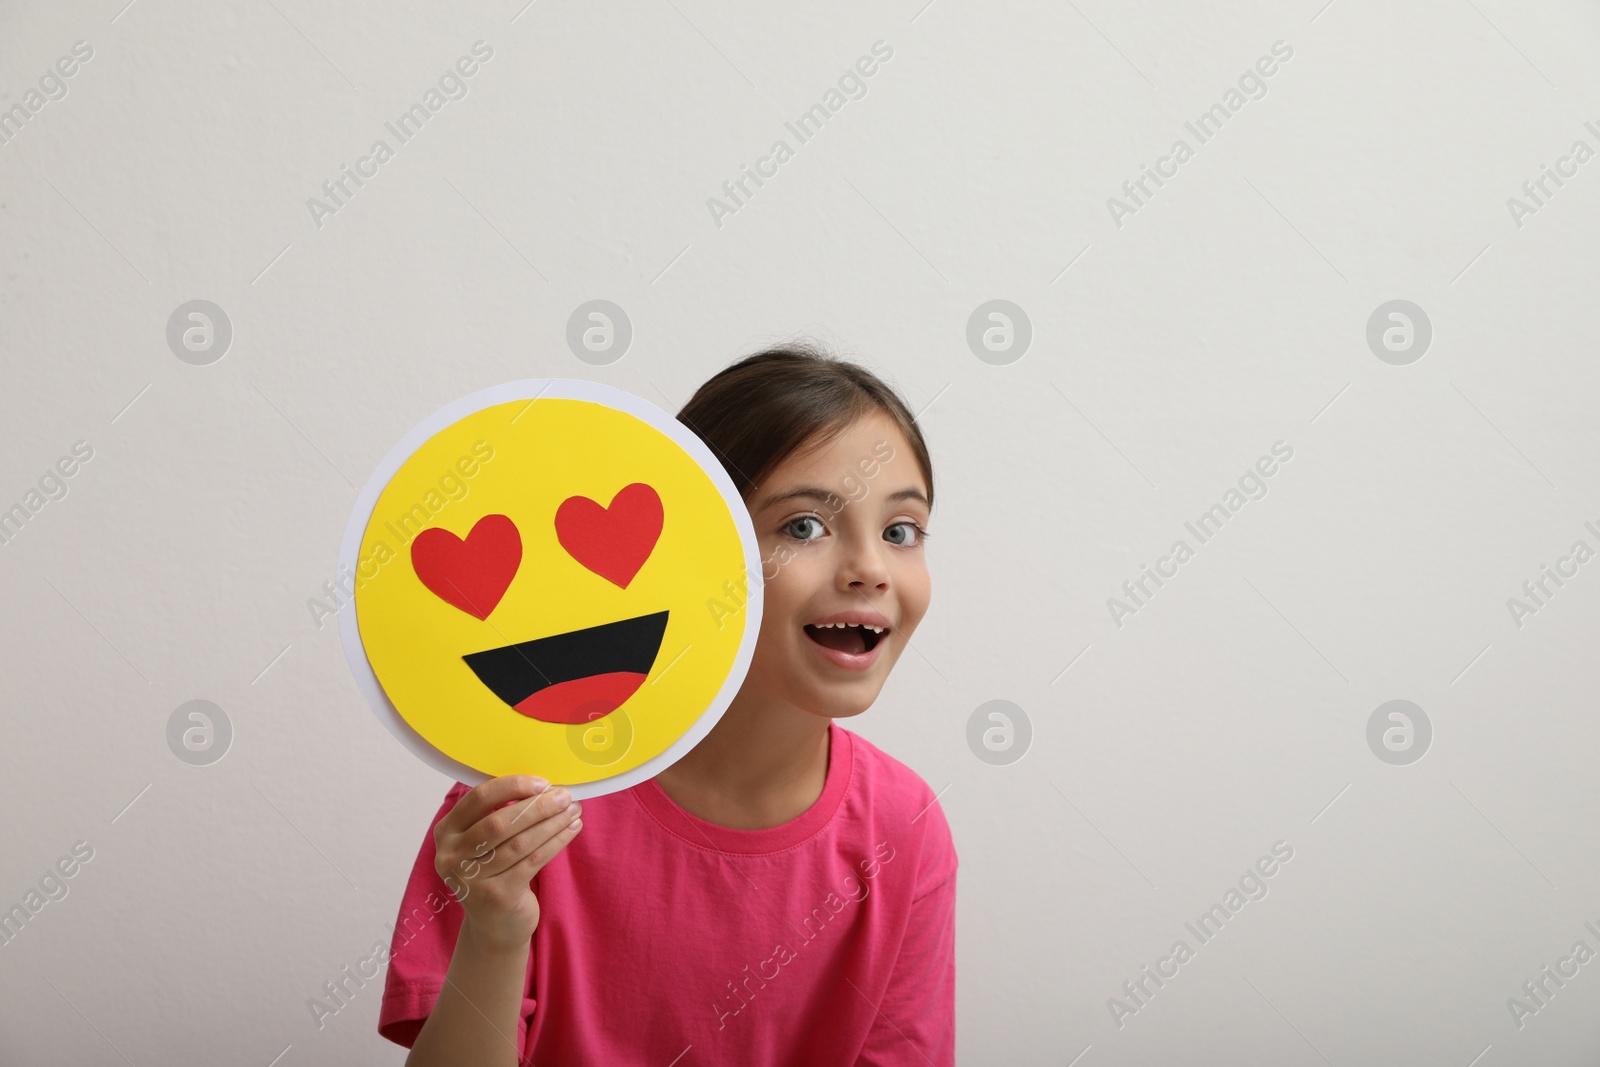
pixel 1228 313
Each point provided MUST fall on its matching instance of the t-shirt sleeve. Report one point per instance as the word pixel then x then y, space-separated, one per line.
pixel 424 940
pixel 916 1021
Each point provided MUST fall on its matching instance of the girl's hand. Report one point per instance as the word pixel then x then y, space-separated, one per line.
pixel 491 844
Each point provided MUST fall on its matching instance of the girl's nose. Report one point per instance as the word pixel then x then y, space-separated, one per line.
pixel 864 566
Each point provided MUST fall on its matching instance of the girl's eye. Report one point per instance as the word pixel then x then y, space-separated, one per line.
pixel 905 534
pixel 792 523
pixel 920 534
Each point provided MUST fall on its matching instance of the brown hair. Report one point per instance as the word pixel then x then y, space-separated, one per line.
pixel 757 412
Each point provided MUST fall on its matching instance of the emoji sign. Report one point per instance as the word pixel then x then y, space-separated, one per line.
pixel 552 577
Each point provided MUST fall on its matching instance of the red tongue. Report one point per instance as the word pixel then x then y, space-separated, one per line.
pixel 844 639
pixel 582 699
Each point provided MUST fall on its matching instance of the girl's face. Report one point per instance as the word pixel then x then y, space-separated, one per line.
pixel 840 529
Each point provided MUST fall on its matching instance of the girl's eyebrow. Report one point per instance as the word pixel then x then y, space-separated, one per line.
pixel 812 492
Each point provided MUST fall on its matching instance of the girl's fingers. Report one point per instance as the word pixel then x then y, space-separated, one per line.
pixel 480 800
pixel 496 828
pixel 520 845
pixel 528 866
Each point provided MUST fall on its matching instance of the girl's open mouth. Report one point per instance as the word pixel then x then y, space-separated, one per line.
pixel 853 647
pixel 851 638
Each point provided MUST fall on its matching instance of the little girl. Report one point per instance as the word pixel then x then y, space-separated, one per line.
pixel 784 894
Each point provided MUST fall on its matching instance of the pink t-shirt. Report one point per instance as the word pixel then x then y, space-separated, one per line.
pixel 666 939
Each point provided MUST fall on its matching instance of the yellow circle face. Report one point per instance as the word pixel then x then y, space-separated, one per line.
pixel 553 587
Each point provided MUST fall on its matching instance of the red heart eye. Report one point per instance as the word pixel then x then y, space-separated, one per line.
pixel 472 574
pixel 612 542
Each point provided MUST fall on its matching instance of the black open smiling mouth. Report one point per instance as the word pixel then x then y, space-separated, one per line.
pixel 577 676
